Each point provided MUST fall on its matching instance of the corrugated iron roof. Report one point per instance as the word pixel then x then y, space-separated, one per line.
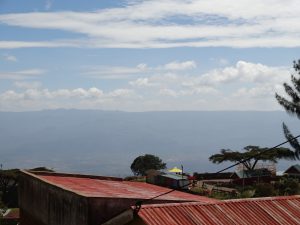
pixel 253 173
pixel 92 187
pixel 275 210
pixel 174 176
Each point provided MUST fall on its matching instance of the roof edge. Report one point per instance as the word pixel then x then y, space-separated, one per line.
pixel 35 175
pixel 58 174
pixel 222 202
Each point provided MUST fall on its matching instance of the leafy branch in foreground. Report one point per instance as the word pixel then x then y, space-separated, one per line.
pixel 251 155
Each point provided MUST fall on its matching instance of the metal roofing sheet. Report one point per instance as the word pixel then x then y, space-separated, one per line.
pixel 175 176
pixel 277 210
pixel 92 187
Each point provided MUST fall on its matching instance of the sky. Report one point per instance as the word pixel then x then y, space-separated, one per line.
pixel 151 55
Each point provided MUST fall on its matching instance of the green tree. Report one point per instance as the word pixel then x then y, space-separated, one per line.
pixel 287 186
pixel 292 105
pixel 251 155
pixel 8 187
pixel 146 162
pixel 264 190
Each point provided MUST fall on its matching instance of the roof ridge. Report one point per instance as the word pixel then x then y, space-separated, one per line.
pixel 58 174
pixel 260 199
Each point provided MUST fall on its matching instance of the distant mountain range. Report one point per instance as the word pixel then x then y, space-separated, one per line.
pixel 106 142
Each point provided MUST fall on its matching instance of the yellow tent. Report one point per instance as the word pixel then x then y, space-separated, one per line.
pixel 175 170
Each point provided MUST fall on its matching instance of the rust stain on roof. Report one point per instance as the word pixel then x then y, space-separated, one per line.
pixel 276 210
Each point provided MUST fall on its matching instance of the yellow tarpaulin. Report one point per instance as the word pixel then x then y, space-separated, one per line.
pixel 175 170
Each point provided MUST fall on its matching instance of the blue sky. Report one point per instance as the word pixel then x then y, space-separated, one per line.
pixel 146 55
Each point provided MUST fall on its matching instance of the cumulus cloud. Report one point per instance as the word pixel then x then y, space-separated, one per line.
pixel 159 24
pixel 143 82
pixel 241 82
pixel 42 98
pixel 242 86
pixel 242 72
pixel 77 93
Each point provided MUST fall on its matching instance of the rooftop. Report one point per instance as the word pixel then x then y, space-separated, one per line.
pixel 275 210
pixel 93 186
pixel 174 176
pixel 296 167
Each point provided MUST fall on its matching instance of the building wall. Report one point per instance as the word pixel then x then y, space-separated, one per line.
pixel 45 204
pixel 103 209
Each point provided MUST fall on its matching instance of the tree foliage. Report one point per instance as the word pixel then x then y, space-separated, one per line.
pixel 292 105
pixel 251 155
pixel 146 162
pixel 8 187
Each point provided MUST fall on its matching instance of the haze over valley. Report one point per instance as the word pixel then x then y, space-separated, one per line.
pixel 106 142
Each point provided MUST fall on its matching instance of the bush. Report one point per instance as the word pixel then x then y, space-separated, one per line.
pixel 287 186
pixel 264 190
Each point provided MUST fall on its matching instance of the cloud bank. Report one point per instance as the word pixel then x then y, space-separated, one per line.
pixel 167 24
pixel 173 86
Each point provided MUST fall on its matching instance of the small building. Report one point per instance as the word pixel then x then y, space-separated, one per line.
pixel 256 211
pixel 72 199
pixel 293 171
pixel 174 181
pixel 252 176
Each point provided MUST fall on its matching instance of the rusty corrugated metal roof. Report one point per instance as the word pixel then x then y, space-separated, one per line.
pixel 93 187
pixel 275 210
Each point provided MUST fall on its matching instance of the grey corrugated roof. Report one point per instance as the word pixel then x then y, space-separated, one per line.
pixel 254 173
pixel 174 176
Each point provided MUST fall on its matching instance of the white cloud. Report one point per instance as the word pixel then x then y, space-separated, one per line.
pixel 157 24
pixel 142 82
pixel 243 86
pixel 38 44
pixel 80 98
pixel 78 93
pixel 22 74
pixel 117 72
pixel 260 91
pixel 121 93
pixel 10 58
pixel 243 72
pixel 181 65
